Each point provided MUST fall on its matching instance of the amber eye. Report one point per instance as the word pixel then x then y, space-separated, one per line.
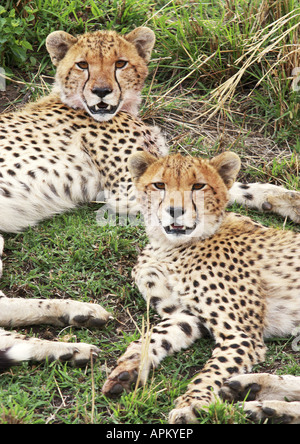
pixel 121 64
pixel 198 186
pixel 159 185
pixel 82 65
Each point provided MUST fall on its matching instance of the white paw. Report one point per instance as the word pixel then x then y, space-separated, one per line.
pixel 285 203
pixel 278 412
pixel 82 314
pixel 183 415
pixel 78 354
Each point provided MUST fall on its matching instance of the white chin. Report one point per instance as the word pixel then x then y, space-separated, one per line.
pixel 102 117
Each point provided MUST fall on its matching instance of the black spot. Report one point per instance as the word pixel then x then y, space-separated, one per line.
pixel 186 328
pixel 170 309
pixel 166 345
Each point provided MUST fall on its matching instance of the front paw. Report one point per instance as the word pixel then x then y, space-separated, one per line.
pixel 188 409
pixel 275 412
pixel 285 203
pixel 84 314
pixel 183 415
pixel 122 378
pixel 78 354
pixel 241 387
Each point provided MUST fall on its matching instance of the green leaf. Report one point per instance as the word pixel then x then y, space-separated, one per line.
pixel 26 44
pixel 12 14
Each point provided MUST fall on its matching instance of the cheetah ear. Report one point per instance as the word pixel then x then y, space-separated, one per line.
pixel 58 43
pixel 228 166
pixel 143 38
pixel 138 164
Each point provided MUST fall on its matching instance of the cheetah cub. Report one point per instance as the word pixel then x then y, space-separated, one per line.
pixel 208 271
pixel 61 151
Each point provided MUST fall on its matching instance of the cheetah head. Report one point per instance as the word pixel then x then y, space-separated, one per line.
pixel 101 72
pixel 183 198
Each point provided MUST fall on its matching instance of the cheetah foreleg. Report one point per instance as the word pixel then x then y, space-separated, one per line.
pixel 168 337
pixel 229 357
pixel 15 348
pixel 16 312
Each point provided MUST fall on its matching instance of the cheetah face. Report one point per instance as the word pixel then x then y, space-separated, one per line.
pixel 102 72
pixel 183 198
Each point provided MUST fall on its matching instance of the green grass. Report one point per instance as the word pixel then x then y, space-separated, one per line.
pixel 199 48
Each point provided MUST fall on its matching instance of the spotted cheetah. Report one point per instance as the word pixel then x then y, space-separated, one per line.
pixel 62 151
pixel 208 271
pixel 69 146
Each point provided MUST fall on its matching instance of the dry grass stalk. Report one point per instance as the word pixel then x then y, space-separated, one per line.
pixel 256 51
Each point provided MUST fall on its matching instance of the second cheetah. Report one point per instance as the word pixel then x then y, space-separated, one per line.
pixel 206 270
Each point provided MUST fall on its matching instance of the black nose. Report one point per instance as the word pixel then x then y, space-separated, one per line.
pixel 176 211
pixel 101 92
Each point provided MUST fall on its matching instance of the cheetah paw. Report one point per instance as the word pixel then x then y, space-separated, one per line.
pixel 122 378
pixel 241 387
pixel 78 354
pixel 285 203
pixel 275 412
pixel 84 314
pixel 183 415
pixel 37 350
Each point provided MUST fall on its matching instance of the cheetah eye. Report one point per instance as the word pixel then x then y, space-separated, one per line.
pixel 159 185
pixel 198 186
pixel 82 65
pixel 121 64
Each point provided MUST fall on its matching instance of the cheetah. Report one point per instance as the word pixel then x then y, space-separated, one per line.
pixel 72 147
pixel 61 151
pixel 210 271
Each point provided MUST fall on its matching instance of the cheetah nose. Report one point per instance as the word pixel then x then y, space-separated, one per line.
pixel 101 92
pixel 175 212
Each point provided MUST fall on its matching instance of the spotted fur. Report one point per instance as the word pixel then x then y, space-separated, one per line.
pixel 208 271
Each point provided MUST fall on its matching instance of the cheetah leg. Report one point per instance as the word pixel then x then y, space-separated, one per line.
pixel 176 332
pixel 15 348
pixel 15 312
pixel 229 357
pixel 267 396
pixel 168 337
pixel 267 197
